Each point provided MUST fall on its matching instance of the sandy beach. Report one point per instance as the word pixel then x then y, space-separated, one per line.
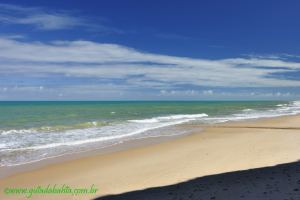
pixel 149 100
pixel 222 148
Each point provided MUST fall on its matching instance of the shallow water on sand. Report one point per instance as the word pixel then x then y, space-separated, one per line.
pixel 31 131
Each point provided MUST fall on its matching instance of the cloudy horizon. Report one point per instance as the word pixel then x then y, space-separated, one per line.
pixel 43 57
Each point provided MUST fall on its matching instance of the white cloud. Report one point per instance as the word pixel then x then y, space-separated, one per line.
pixel 137 69
pixel 39 17
pixel 178 93
pixel 208 92
pixel 12 36
pixel 163 92
pixel 50 21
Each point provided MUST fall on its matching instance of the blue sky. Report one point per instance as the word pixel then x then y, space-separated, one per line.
pixel 145 50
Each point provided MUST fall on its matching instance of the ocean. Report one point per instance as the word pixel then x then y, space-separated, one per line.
pixel 33 131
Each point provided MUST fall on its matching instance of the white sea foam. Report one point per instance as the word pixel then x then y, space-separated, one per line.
pixel 170 117
pixel 292 108
pixel 51 128
pixel 16 131
pixel 132 129
pixel 41 143
pixel 247 110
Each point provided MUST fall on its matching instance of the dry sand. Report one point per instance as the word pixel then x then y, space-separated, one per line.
pixel 223 148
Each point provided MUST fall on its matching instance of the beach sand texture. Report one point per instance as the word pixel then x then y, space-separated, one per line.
pixel 199 162
pixel 274 183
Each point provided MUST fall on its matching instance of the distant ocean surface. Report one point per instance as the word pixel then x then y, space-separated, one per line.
pixel 32 131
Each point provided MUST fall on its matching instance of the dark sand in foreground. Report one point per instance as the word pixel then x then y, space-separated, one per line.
pixel 281 182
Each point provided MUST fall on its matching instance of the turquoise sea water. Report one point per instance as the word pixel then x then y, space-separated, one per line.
pixel 31 131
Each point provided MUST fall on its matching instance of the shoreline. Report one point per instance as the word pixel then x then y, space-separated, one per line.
pixel 7 171
pixel 217 149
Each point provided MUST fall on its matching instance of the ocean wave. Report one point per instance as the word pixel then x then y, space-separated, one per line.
pixel 170 117
pixel 55 128
pixel 17 131
pixel 55 140
pixel 247 110
pixel 139 130
pixel 292 108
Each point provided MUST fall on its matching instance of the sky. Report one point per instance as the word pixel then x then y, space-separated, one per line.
pixel 149 50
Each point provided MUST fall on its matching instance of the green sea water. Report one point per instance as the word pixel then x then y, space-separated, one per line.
pixel 32 131
pixel 25 115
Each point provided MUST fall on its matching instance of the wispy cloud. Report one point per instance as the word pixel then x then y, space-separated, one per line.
pixel 282 56
pixel 44 19
pixel 118 68
pixel 12 36
pixel 91 59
